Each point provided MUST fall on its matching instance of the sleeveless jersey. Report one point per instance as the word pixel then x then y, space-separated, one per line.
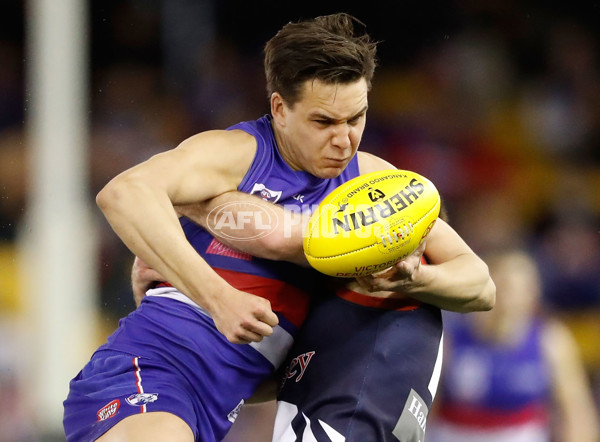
pixel 361 372
pixel 286 285
pixel 495 388
pixel 363 368
pixel 168 356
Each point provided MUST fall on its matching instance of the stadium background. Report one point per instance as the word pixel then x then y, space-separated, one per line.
pixel 498 102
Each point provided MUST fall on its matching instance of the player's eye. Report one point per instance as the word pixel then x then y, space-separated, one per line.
pixel 354 121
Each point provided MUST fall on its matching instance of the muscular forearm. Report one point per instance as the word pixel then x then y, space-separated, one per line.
pixel 146 222
pixel 461 284
pixel 269 231
pixel 454 278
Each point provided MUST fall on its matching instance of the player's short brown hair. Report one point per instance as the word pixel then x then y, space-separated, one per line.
pixel 332 48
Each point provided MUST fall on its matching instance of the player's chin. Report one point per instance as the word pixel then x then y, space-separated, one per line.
pixel 329 172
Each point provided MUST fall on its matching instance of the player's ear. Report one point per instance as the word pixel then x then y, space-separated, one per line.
pixel 278 108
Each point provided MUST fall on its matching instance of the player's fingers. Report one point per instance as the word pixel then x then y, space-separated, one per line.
pixel 153 275
pixel 259 328
pixel 369 283
pixel 421 249
pixel 403 268
pixel 385 273
pixel 243 335
pixel 268 317
pixel 365 282
pixel 249 337
pixel 138 263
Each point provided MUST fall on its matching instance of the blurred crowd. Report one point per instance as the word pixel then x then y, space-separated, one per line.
pixel 499 105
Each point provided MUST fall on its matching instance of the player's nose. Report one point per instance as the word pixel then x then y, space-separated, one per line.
pixel 341 137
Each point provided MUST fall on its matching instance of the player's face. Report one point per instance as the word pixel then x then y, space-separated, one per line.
pixel 517 291
pixel 320 134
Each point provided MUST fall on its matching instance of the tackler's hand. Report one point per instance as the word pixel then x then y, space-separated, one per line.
pixel 243 317
pixel 401 277
pixel 143 278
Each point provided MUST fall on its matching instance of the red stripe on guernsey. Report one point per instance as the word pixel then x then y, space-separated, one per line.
pixel 217 248
pixel 486 418
pixel 138 382
pixel 398 302
pixel 285 298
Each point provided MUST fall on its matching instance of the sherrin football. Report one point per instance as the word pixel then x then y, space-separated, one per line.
pixel 370 223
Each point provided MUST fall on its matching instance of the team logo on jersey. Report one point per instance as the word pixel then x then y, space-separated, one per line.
pixel 233 414
pixel 142 398
pixel 266 194
pixel 109 410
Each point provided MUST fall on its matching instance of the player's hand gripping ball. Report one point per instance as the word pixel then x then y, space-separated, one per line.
pixel 370 223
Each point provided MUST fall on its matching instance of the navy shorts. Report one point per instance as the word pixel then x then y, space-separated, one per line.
pixel 361 373
pixel 165 356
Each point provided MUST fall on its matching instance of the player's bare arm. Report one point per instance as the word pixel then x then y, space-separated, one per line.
pixel 282 243
pixel 576 412
pixel 143 278
pixel 139 205
pixel 455 278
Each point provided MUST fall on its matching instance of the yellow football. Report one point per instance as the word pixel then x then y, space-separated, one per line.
pixel 370 223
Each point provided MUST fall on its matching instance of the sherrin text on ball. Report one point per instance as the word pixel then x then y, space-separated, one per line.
pixel 371 222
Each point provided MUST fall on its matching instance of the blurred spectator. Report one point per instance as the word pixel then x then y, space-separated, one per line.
pixel 513 374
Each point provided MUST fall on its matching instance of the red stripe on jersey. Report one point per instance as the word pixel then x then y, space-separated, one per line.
pixel 398 302
pixel 488 418
pixel 285 298
pixel 138 383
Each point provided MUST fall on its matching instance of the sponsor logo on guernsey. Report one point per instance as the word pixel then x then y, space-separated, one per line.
pixel 142 398
pixel 109 410
pixel 266 194
pixel 413 421
pixel 298 366
pixel 233 414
